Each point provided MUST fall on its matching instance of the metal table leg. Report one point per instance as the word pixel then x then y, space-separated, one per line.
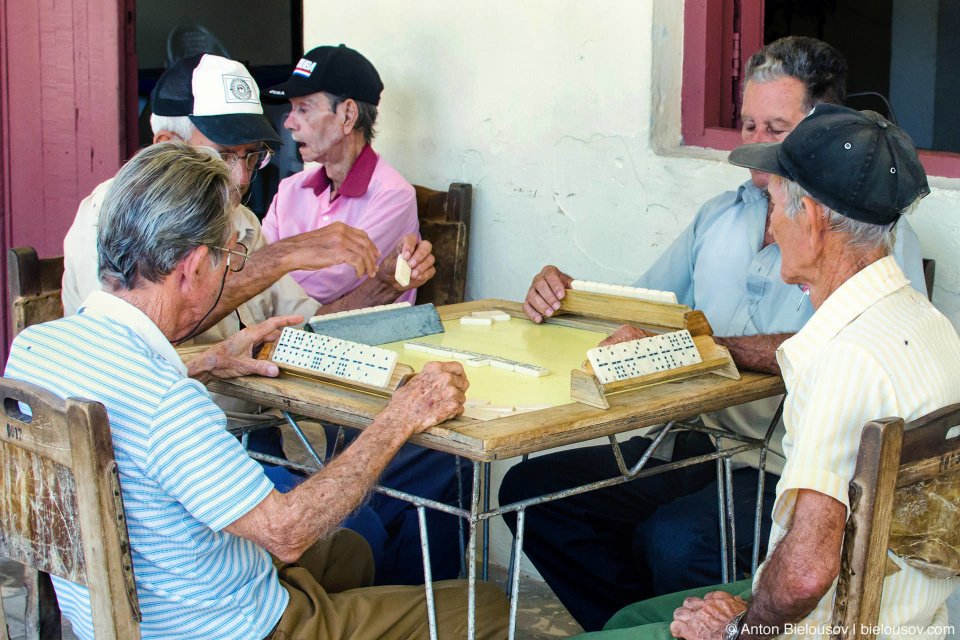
pixel 513 582
pixel 725 576
pixel 472 556
pixel 427 572
pixel 486 521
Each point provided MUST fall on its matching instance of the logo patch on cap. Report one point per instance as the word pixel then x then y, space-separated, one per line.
pixel 305 68
pixel 238 89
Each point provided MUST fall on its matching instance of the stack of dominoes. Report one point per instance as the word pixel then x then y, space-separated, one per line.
pixel 331 356
pixel 474 359
pixel 359 312
pixel 483 410
pixel 641 357
pixel 626 292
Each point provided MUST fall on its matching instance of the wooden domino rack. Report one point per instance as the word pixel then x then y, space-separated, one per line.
pixel 657 317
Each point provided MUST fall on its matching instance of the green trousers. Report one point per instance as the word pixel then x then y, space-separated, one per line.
pixel 650 619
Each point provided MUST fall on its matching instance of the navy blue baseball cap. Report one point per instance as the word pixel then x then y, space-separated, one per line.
pixel 855 162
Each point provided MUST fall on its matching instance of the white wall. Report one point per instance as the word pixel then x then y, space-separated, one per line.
pixel 565 117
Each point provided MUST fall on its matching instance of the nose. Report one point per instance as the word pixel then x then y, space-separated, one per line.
pixel 288 121
pixel 240 173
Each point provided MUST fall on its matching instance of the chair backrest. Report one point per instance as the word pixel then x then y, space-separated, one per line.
pixel 901 498
pixel 445 222
pixel 61 510
pixel 33 285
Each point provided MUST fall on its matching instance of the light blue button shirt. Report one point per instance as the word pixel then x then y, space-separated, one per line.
pixel 720 266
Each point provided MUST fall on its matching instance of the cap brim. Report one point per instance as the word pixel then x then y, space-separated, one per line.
pixel 292 88
pixel 762 156
pixel 234 129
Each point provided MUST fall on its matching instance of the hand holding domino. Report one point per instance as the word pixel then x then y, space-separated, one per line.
pixel 546 291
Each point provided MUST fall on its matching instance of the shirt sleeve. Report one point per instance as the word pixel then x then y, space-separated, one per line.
pixel 270 225
pixel 198 463
pixel 80 269
pixel 906 251
pixel 673 270
pixel 844 389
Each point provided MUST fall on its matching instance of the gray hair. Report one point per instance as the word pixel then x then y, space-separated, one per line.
pixel 168 200
pixel 366 115
pixel 180 125
pixel 863 235
pixel 820 67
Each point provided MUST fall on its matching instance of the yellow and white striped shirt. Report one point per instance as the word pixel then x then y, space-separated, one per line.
pixel 875 348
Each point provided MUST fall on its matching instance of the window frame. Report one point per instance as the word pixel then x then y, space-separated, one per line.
pixel 713 60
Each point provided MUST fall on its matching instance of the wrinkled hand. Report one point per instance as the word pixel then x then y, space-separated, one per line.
pixel 547 290
pixel 432 396
pixel 333 244
pixel 233 357
pixel 706 619
pixel 625 333
pixel 418 254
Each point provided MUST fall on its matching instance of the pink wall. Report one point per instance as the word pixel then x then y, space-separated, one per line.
pixel 64 103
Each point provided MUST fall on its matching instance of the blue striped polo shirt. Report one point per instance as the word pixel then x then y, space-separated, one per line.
pixel 183 477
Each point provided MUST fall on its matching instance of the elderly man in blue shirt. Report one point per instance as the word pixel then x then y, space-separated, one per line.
pixel 608 548
pixel 218 552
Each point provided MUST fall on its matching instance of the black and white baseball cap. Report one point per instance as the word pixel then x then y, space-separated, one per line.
pixel 220 97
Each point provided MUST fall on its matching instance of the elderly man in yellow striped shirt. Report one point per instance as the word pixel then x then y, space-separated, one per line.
pixel 873 348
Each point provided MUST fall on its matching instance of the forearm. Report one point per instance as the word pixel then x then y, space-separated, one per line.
pixel 370 293
pixel 774 605
pixel 755 353
pixel 321 503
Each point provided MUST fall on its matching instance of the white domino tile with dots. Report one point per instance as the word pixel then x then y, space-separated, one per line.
pixel 641 357
pixel 359 312
pixel 639 293
pixel 334 357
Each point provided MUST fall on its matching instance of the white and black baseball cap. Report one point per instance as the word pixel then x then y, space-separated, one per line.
pixel 220 97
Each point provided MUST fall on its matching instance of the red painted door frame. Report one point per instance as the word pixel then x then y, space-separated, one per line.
pixel 68 92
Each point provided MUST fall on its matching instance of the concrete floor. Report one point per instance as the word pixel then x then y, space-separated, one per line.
pixel 540 616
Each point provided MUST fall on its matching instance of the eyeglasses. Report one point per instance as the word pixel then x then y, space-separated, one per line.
pixel 252 161
pixel 243 257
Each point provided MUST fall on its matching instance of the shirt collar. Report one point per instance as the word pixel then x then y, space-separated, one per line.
pixel 110 306
pixel 357 180
pixel 867 287
pixel 749 193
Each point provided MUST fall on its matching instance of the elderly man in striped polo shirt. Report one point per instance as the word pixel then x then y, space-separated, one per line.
pixel 217 551
pixel 873 348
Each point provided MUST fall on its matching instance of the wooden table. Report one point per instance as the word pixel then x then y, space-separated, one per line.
pixel 486 441
pixel 519 434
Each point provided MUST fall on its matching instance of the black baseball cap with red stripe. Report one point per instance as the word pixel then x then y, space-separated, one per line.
pixel 340 71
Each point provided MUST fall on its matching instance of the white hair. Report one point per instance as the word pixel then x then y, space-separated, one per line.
pixel 863 235
pixel 179 125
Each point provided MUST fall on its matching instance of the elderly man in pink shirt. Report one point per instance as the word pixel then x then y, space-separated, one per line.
pixel 334 93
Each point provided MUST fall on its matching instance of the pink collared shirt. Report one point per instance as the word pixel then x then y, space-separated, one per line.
pixel 374 197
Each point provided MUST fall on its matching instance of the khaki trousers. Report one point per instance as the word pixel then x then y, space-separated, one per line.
pixel 331 599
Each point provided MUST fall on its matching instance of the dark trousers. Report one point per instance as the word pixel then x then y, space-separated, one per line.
pixel 395 527
pixel 603 550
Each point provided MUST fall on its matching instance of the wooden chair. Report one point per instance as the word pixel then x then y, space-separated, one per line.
pixel 445 222
pixel 33 285
pixel 61 510
pixel 903 479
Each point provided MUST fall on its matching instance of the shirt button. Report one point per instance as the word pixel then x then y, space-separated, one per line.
pixel 325 218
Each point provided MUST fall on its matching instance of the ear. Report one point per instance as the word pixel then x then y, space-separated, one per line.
pixel 350 114
pixel 194 268
pixel 814 222
pixel 164 136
